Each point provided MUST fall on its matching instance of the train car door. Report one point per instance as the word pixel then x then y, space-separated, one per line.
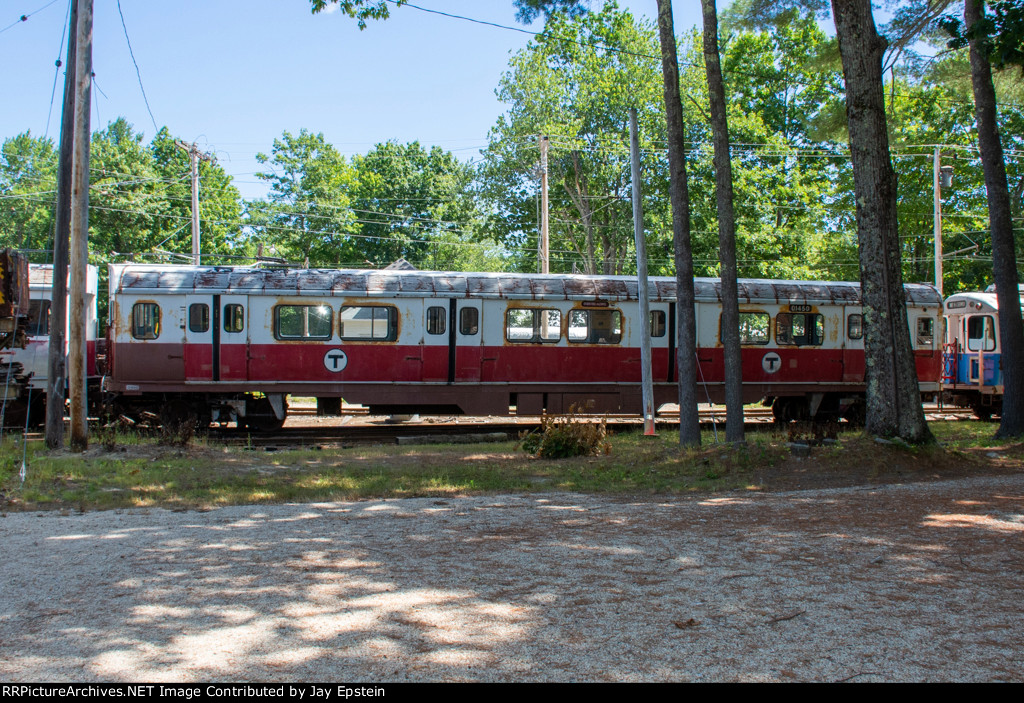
pixel 468 346
pixel 661 364
pixel 710 358
pixel 200 351
pixel 852 327
pixel 436 352
pixel 234 337
pixel 981 335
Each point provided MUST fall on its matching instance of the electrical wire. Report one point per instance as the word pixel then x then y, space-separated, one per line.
pixel 136 64
pixel 56 71
pixel 24 18
pixel 598 45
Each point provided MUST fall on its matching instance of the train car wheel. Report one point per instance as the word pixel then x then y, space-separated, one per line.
pixel 855 414
pixel 260 416
pixel 15 412
pixel 779 411
pixel 790 410
pixel 982 412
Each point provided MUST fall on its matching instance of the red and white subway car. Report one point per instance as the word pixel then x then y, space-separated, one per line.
pixel 25 370
pixel 231 344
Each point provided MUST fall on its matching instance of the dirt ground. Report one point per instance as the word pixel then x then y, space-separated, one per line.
pixel 853 564
pixel 918 581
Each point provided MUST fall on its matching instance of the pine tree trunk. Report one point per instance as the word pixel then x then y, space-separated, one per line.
pixel 686 352
pixel 726 230
pixel 1004 257
pixel 893 394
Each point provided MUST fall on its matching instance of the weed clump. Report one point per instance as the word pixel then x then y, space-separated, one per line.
pixel 177 433
pixel 567 435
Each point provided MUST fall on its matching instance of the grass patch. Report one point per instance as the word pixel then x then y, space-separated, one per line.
pixel 128 470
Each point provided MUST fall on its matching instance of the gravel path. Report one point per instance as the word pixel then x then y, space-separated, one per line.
pixel 901 583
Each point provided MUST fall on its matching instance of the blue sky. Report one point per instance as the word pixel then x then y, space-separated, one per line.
pixel 233 75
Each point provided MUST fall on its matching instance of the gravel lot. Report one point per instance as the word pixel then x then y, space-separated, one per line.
pixel 917 582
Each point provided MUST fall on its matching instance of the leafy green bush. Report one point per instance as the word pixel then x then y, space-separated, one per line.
pixel 567 435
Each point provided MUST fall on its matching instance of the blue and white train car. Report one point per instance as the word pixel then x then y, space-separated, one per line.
pixel 972 375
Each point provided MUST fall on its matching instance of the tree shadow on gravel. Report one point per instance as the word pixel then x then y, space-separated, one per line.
pixel 886 583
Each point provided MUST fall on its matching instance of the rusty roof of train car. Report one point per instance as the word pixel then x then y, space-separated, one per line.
pixel 155 278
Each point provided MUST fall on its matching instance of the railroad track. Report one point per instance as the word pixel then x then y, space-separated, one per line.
pixel 354 426
pixel 464 429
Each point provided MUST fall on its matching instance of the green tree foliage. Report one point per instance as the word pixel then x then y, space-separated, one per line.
pixel 783 85
pixel 28 179
pixel 575 84
pixel 417 204
pixel 396 201
pixel 126 196
pixel 220 203
pixel 1001 29
pixel 308 212
pixel 360 10
pixel 529 10
pixel 139 198
pixel 932 102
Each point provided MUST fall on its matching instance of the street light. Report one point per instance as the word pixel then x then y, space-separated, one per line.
pixel 946 176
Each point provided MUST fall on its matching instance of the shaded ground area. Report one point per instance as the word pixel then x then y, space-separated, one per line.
pixel 133 471
pixel 914 582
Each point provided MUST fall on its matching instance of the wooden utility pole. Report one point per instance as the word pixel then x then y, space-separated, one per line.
pixel 937 217
pixel 79 248
pixel 544 239
pixel 194 156
pixel 647 382
pixel 62 229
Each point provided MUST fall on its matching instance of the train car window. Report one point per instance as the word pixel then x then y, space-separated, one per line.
pixel 595 326
pixel 198 317
pixel 657 323
pixel 469 321
pixel 925 331
pixel 234 318
pixel 855 326
pixel 981 335
pixel 38 318
pixel 303 322
pixel 145 320
pixel 800 329
pixel 755 327
pixel 532 325
pixel 435 320
pixel 377 322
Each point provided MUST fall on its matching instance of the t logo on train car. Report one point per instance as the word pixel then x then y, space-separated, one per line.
pixel 771 362
pixel 335 360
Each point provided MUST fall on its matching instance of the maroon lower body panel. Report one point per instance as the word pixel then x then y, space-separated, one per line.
pixel 525 379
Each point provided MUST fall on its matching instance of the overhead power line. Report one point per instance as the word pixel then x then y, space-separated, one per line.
pixel 56 71
pixel 24 17
pixel 137 72
pixel 611 49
